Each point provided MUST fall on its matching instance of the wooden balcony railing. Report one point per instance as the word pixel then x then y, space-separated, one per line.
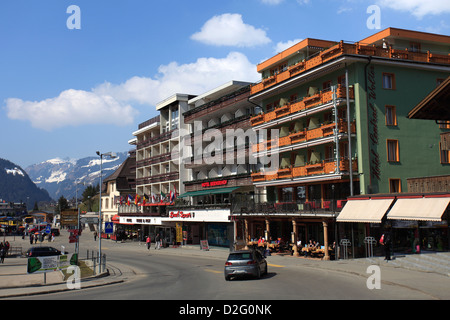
pixel 320 98
pixel 322 167
pixel 325 130
pixel 347 48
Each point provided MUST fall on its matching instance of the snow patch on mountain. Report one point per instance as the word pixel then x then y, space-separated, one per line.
pixel 15 171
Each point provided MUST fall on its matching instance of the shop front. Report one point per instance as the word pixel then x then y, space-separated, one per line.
pixel 213 225
pixel 416 222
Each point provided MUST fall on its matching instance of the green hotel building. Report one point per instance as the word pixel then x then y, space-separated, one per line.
pixel 341 113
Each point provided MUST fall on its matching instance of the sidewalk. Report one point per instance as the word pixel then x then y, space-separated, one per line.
pixel 427 272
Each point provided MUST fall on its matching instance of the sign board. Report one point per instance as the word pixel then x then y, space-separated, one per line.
pixel 89 220
pixel 48 230
pixel 109 227
pixel 69 218
pixel 51 263
pixel 204 245
pixel 179 229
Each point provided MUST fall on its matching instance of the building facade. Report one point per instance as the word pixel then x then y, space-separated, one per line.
pixel 340 109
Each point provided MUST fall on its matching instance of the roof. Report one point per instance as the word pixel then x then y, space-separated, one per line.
pixel 435 106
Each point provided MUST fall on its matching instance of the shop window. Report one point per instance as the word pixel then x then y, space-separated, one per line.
pixel 395 186
pixel 388 81
pixel 391 116
pixel 392 151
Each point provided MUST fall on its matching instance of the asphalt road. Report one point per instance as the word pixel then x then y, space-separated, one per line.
pixel 154 275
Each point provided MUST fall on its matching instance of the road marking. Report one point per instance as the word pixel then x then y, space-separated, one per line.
pixel 275 265
pixel 213 271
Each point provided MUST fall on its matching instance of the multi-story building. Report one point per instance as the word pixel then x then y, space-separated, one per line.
pixel 216 163
pixel 158 174
pixel 340 110
pixel 117 187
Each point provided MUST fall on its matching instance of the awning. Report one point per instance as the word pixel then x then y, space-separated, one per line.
pixel 365 210
pixel 208 192
pixel 419 209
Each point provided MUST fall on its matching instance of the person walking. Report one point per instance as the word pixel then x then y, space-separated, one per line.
pixel 95 235
pixel 386 242
pixel 149 242
pixel 2 254
pixel 157 241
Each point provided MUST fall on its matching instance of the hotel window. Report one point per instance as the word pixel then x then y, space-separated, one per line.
pixel 445 155
pixel 392 151
pixel 443 124
pixel 395 186
pixel 391 116
pixel 414 47
pixel 388 81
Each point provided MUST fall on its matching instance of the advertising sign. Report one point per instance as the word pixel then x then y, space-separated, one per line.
pixel 51 263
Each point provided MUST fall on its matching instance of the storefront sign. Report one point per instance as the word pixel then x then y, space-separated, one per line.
pixel 181 214
pixel 214 183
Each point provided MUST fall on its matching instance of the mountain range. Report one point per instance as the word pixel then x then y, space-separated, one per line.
pixel 67 177
pixel 16 186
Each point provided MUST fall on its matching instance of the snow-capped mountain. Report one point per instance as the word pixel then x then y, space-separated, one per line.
pixel 16 185
pixel 62 177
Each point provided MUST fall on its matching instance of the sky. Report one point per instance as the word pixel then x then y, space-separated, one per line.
pixel 80 76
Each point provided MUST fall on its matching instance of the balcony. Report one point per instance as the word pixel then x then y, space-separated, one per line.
pixel 314 206
pixel 343 49
pixel 309 170
pixel 306 103
pixel 325 130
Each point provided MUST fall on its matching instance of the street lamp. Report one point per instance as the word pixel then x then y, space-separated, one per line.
pixel 111 155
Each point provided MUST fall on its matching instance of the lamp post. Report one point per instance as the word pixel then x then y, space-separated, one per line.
pixel 111 155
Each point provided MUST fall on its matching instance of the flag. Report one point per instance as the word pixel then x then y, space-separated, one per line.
pixel 121 200
pixel 153 198
pixel 130 198
pixel 163 196
pixel 137 199
pixel 145 199
pixel 172 196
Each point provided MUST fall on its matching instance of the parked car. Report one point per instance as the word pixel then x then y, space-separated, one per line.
pixel 55 231
pixel 245 263
pixel 42 252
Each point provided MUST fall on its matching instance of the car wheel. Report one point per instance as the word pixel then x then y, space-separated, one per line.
pixel 227 278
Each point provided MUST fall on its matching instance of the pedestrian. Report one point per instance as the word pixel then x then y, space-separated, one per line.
pixel 95 235
pixel 386 242
pixel 31 238
pixel 2 254
pixel 157 241
pixel 53 237
pixel 149 242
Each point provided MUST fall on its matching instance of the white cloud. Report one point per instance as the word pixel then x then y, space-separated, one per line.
pixel 230 30
pixel 281 46
pixel 71 108
pixel 110 103
pixel 418 8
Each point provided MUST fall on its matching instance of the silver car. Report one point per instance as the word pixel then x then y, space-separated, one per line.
pixel 245 263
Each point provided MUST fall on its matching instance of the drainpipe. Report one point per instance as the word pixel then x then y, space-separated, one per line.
pixel 349 127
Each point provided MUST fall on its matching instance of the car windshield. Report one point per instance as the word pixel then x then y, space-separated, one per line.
pixel 240 256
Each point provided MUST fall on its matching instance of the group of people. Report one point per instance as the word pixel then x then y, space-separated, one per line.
pixel 157 242
pixel 4 247
pixel 40 236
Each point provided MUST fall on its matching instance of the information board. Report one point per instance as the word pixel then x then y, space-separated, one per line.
pixel 204 245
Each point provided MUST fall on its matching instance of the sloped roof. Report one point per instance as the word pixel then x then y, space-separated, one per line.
pixel 435 106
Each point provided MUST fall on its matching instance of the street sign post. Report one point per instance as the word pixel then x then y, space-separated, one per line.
pixel 109 227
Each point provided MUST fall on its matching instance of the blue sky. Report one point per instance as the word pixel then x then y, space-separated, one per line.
pixel 70 92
